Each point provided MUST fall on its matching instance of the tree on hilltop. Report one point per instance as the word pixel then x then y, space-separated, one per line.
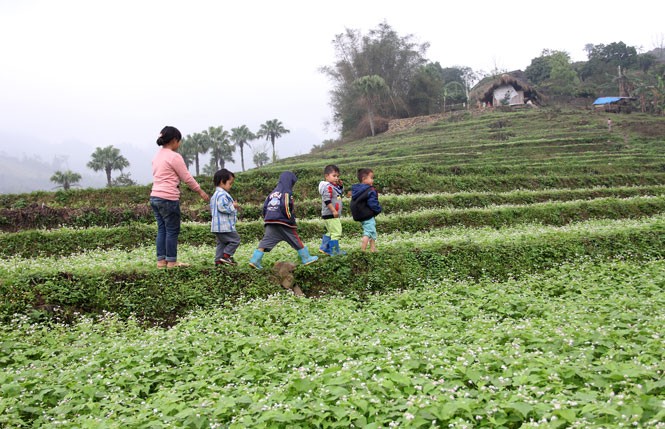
pixel 188 151
pixel 65 179
pixel 221 149
pixel 197 144
pixel 370 89
pixel 553 72
pixel 241 136
pixel 382 52
pixel 260 157
pixel 124 179
pixel 272 130
pixel 108 159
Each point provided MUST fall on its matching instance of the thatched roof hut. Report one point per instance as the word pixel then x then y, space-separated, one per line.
pixel 509 89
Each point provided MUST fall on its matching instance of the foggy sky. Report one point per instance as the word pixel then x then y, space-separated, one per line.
pixel 96 73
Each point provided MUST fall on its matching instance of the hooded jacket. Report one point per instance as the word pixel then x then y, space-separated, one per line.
pixel 364 202
pixel 278 206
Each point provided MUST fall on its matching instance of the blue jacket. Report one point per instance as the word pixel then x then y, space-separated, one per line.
pixel 364 205
pixel 278 206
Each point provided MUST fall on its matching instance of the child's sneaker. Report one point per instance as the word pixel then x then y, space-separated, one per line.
pixel 226 260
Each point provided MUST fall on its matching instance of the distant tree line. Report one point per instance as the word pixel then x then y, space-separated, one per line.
pixel 106 159
pixel 614 69
pixel 382 75
pixel 216 140
pixel 221 144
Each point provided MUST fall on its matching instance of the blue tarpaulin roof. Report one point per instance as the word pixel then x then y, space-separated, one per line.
pixel 607 100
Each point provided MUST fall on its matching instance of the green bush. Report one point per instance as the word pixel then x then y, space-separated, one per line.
pixel 161 296
pixel 68 241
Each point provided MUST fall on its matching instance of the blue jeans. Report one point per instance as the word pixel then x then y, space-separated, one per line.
pixel 167 213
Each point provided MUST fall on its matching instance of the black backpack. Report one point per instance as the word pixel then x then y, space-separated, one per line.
pixel 359 208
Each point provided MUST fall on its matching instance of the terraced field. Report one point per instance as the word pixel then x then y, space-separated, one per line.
pixel 519 282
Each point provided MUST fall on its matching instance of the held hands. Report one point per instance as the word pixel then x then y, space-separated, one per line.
pixel 235 204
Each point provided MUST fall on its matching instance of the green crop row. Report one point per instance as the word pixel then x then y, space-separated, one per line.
pixel 403 203
pixel 66 241
pixel 37 217
pixel 142 258
pixel 253 186
pixel 162 295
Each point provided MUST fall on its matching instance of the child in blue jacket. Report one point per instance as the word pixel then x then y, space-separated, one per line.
pixel 365 206
pixel 279 222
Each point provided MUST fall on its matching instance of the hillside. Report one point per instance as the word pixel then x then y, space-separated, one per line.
pixel 519 282
pixel 491 170
pixel 492 151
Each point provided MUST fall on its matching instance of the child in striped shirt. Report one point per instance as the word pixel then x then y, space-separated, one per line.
pixel 224 211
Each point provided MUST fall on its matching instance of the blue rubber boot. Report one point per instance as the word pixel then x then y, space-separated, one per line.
pixel 305 256
pixel 255 262
pixel 325 245
pixel 334 248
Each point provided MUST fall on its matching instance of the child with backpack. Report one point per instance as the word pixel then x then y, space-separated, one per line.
pixel 279 222
pixel 365 206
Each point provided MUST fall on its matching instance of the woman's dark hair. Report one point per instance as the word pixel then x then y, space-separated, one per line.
pixel 222 176
pixel 167 134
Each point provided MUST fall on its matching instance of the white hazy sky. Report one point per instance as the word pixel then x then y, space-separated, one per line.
pixel 106 72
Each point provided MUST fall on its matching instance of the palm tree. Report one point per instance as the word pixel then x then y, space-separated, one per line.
pixel 370 89
pixel 108 159
pixel 241 136
pixel 272 130
pixel 198 144
pixel 260 158
pixel 66 179
pixel 187 151
pixel 221 149
pixel 124 179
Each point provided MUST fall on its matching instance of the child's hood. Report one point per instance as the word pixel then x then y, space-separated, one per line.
pixel 286 181
pixel 358 188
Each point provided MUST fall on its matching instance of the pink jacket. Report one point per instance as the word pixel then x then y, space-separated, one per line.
pixel 168 169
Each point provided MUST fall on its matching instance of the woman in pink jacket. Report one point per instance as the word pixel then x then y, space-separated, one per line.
pixel 168 169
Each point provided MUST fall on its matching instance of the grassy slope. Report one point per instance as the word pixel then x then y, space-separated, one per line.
pixel 497 151
pixel 513 321
pixel 559 167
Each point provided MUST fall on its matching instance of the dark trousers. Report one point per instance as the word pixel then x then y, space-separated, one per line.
pixel 227 242
pixel 274 234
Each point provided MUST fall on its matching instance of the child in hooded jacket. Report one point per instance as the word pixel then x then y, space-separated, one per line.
pixel 279 222
pixel 365 206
